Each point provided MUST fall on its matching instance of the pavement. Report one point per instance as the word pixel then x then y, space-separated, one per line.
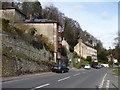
pixel 94 78
pixel 4 79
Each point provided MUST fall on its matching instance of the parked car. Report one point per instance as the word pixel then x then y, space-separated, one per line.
pixel 87 66
pixel 61 68
pixel 98 66
pixel 94 64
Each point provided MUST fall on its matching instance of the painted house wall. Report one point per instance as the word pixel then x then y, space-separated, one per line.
pixel 50 30
pixel 83 50
pixel 47 29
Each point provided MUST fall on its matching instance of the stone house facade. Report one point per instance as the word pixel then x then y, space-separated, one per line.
pixel 84 50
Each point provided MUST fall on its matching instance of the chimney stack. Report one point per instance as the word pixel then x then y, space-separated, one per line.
pixel 31 17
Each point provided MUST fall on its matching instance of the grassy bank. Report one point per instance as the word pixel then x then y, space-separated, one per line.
pixel 116 71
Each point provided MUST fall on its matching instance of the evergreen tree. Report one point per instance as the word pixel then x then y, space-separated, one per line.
pixel 32 8
pixel 37 9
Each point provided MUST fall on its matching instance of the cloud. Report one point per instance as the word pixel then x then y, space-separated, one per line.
pixel 102 23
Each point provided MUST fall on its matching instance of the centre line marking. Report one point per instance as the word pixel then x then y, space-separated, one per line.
pixel 40 86
pixel 63 79
pixel 101 85
pixel 76 74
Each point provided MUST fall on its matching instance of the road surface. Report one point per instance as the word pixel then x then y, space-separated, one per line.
pixel 94 78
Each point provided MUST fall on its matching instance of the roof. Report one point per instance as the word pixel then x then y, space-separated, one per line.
pixel 36 20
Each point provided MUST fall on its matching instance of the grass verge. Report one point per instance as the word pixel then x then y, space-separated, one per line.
pixel 116 72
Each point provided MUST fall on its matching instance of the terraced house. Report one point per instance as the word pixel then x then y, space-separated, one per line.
pixel 85 49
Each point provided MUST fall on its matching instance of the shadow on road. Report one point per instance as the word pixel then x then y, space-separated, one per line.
pixel 97 87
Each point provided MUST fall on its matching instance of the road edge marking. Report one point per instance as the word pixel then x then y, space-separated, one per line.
pixel 101 85
pixel 107 83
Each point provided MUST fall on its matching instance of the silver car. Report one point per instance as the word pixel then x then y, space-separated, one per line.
pixel 87 66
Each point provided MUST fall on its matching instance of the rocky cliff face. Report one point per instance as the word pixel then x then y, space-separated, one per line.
pixel 19 57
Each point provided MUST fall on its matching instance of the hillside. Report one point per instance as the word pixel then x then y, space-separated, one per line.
pixel 23 53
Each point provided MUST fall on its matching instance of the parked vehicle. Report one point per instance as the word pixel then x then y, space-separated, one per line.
pixel 98 66
pixel 94 64
pixel 87 66
pixel 61 68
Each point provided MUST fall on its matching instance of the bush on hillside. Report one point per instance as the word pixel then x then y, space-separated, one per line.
pixel 48 45
pixel 5 25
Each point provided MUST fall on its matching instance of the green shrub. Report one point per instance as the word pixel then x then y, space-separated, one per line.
pixel 76 65
pixel 75 55
pixel 89 59
pixel 48 45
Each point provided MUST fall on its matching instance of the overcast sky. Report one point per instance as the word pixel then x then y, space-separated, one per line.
pixel 99 18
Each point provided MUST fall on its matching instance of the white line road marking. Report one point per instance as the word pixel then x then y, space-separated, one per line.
pixel 63 79
pixel 101 85
pixel 76 74
pixel 40 86
pixel 107 83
